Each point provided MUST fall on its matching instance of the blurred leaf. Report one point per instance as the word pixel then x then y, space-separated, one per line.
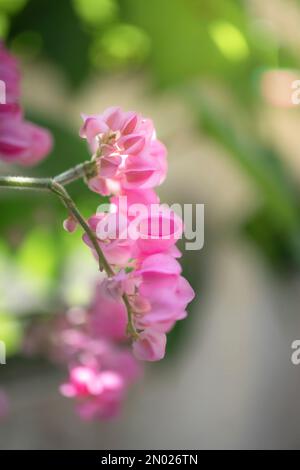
pixel 4 25
pixel 37 257
pixel 272 241
pixel 12 6
pixel 263 166
pixel 10 333
pixel 63 39
pixel 119 45
pixel 260 163
pixel 27 44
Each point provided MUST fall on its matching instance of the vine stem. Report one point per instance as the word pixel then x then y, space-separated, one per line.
pixel 56 185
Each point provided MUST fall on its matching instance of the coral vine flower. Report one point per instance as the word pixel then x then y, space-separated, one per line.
pixel 147 294
pixel 23 142
pixel 20 141
pixel 101 367
pixel 150 346
pixel 126 150
pixel 101 392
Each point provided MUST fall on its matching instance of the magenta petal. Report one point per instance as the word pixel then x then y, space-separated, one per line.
pixel 109 166
pixel 40 145
pixel 133 144
pixel 130 125
pixel 160 263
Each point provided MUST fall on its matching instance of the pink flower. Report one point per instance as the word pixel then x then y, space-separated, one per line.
pixel 10 111
pixel 20 141
pixel 150 346
pixel 101 392
pixel 111 231
pixel 70 224
pixel 147 171
pixel 137 236
pixel 126 150
pixel 100 382
pixel 83 381
pixel 167 292
pixel 10 75
pixel 108 317
pixel 134 196
pixel 116 131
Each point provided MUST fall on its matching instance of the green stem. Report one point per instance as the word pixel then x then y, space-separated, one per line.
pixel 22 182
pixel 84 170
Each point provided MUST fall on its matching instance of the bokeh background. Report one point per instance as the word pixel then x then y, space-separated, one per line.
pixel 216 76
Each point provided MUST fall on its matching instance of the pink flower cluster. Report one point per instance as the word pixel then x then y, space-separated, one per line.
pixel 20 141
pixel 93 345
pixel 131 162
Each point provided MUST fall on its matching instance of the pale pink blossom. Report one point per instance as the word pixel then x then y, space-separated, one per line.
pixel 150 346
pixel 100 381
pixel 101 392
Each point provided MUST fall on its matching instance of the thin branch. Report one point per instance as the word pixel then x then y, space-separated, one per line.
pixel 23 182
pixel 60 191
pixel 55 185
pixel 84 170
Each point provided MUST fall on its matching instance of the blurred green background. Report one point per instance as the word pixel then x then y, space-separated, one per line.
pixel 216 76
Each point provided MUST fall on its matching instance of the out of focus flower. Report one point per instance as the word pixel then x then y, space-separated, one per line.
pixel 20 141
pixel 23 142
pixel 10 75
pixel 101 365
pixel 99 393
pixel 108 316
pixel 150 346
